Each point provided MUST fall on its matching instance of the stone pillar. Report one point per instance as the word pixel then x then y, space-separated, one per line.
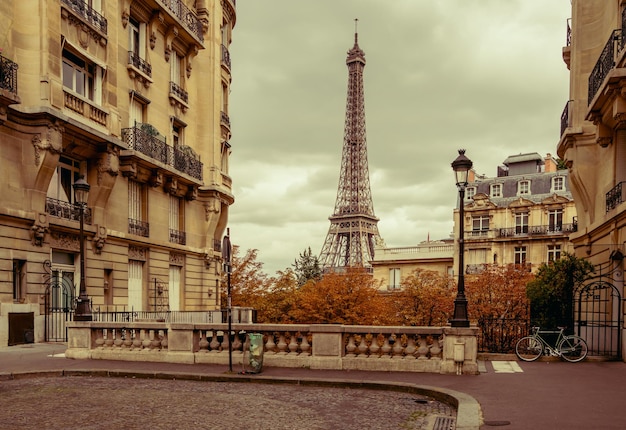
pixel 460 350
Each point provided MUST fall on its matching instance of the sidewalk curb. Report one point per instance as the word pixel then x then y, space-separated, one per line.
pixel 468 409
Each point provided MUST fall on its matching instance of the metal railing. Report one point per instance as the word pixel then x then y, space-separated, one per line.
pixel 177 236
pixel 8 75
pixel 139 63
pixel 614 197
pixel 499 335
pixel 224 119
pixel 179 92
pixel 188 17
pixel 66 210
pixel 566 116
pixel 93 18
pixel 605 63
pixel 147 140
pixel 535 230
pixel 225 57
pixel 140 228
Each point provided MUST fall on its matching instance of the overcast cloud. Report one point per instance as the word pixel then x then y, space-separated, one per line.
pixel 484 75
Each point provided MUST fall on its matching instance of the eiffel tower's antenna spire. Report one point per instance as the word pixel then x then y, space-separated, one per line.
pixel 353 228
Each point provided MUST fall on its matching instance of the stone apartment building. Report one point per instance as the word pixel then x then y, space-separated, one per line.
pixel 132 96
pixel 524 215
pixel 593 144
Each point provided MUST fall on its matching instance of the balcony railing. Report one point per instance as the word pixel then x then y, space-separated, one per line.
pixel 179 92
pixel 186 16
pixel 538 230
pixel 179 237
pixel 147 140
pixel 140 228
pixel 8 75
pixel 93 18
pixel 139 63
pixel 605 63
pixel 66 210
pixel 566 116
pixel 568 41
pixel 614 197
pixel 224 119
pixel 225 57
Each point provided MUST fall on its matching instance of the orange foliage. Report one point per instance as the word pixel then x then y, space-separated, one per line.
pixel 341 298
pixel 498 292
pixel 426 299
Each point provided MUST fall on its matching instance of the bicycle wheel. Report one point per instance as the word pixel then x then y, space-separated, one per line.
pixel 573 348
pixel 528 348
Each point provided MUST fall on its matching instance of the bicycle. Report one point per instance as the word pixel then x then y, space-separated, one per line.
pixel 572 348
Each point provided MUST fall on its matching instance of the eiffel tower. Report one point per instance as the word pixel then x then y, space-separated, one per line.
pixel 353 226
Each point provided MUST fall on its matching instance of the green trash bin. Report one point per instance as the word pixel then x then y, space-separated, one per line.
pixel 255 352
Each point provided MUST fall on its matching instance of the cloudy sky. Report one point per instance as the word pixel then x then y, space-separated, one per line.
pixel 484 75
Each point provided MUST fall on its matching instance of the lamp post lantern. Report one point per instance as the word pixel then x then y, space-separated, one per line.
pixel 461 166
pixel 83 307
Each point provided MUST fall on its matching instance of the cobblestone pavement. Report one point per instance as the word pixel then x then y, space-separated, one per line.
pixel 129 403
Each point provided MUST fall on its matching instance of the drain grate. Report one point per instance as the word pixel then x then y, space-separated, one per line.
pixel 444 423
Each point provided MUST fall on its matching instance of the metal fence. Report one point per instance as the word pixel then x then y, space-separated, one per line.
pixel 499 335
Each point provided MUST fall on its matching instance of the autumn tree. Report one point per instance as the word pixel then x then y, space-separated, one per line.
pixel 498 292
pixel 277 303
pixel 307 267
pixel 426 299
pixel 248 281
pixel 551 293
pixel 351 298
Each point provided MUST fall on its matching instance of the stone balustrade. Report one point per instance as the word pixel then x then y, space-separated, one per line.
pixel 340 347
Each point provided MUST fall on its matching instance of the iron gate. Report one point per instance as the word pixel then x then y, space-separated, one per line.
pixel 598 315
pixel 59 304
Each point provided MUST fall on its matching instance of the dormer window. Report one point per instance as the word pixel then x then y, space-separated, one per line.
pixel 523 188
pixel 495 190
pixel 558 184
pixel 470 192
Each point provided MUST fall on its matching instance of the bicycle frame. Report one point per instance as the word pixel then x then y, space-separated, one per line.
pixel 552 349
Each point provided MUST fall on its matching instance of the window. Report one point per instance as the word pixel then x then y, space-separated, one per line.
pixel 137 41
pixel 64 271
pixel 480 223
pixel 394 279
pixel 108 287
pixel 136 112
pixel 555 220
pixel 175 68
pixel 496 190
pixel 558 184
pixel 135 285
pixel 470 192
pixel 554 253
pixel 520 255
pixel 174 288
pixel 63 178
pixel 177 221
pixel 521 223
pixel 82 76
pixel 523 187
pixel 19 280
pixel 137 213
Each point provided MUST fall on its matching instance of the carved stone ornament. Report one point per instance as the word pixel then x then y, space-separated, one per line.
pixel 39 229
pixel 137 253
pixel 99 239
pixel 192 193
pixel 125 17
pixel 604 141
pixel 171 186
pixel 108 162
pixel 52 141
pixel 129 169
pixel 65 241
pixel 156 179
pixel 211 207
pixel 177 259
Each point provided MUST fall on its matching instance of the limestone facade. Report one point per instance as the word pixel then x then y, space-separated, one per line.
pixel 132 95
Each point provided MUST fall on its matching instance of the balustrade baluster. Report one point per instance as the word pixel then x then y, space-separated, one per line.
pixel 270 346
pixel 282 345
pixel 350 347
pixel 99 334
pixel 374 346
pixel 410 347
pixel 293 344
pixel 436 348
pixel 362 348
pixel 117 335
pixel 108 338
pixel 397 349
pixel 305 347
pixel 203 343
pixel 386 348
pixel 422 351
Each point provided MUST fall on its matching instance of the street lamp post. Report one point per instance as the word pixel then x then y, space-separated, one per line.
pixel 461 167
pixel 83 307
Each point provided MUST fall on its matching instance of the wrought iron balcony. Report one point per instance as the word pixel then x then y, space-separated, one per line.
pixel 179 237
pixel 225 57
pixel 66 210
pixel 538 230
pixel 224 119
pixel 217 245
pixel 565 116
pixel 188 17
pixel 140 228
pixel 605 63
pixel 177 91
pixel 147 140
pixel 139 63
pixel 614 197
pixel 83 10
pixel 8 75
